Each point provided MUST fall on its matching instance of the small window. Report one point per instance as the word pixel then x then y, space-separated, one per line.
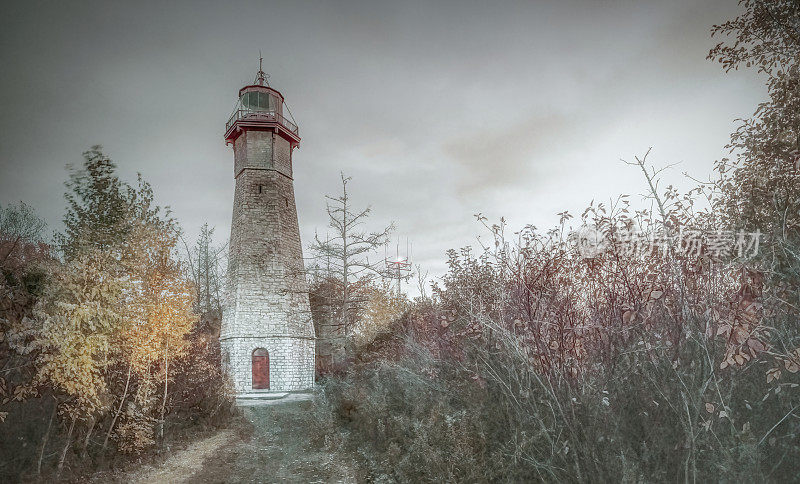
pixel 286 201
pixel 260 188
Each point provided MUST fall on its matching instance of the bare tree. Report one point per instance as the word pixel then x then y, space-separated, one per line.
pixel 205 261
pixel 422 282
pixel 342 258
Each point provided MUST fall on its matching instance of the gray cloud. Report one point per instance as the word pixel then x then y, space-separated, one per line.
pixel 437 110
pixel 489 159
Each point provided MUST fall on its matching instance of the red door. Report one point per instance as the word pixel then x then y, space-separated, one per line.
pixel 260 369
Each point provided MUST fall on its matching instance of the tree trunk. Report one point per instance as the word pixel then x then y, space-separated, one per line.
pixel 345 269
pixel 207 281
pixel 66 447
pixel 45 439
pixel 119 409
pixel 164 399
pixel 86 439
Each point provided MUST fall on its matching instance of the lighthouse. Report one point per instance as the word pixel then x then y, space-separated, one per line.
pixel 267 335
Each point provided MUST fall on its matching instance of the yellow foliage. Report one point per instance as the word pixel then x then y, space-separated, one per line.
pixel 382 307
pixel 78 317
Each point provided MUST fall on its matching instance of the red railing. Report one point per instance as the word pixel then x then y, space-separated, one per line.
pixel 267 116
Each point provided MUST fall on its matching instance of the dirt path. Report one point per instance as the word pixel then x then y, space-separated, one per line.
pixel 188 461
pixel 272 445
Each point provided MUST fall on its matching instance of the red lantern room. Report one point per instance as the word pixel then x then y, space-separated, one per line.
pixel 261 107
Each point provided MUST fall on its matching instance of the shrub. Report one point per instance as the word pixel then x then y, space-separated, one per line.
pixel 538 364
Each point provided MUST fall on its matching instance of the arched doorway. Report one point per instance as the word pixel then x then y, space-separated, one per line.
pixel 260 369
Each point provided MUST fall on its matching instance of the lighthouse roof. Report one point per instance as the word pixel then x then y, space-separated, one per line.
pixel 260 88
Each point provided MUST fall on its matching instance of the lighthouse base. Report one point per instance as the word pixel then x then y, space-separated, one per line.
pixel 289 364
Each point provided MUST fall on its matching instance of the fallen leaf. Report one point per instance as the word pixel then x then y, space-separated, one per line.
pixel 740 335
pixel 628 316
pixel 773 374
pixel 756 345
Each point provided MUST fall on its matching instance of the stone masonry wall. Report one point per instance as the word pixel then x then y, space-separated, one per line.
pixel 267 298
pixel 289 359
pixel 262 150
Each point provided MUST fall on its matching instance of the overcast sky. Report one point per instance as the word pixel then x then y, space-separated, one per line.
pixel 438 110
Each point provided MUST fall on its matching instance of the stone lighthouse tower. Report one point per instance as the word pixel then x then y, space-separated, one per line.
pixel 267 335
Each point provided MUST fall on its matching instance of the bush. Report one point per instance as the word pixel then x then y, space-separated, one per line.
pixel 538 364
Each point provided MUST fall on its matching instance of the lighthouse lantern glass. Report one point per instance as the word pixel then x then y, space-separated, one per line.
pixel 258 101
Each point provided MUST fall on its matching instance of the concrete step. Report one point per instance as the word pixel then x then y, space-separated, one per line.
pixel 251 399
pixel 261 395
